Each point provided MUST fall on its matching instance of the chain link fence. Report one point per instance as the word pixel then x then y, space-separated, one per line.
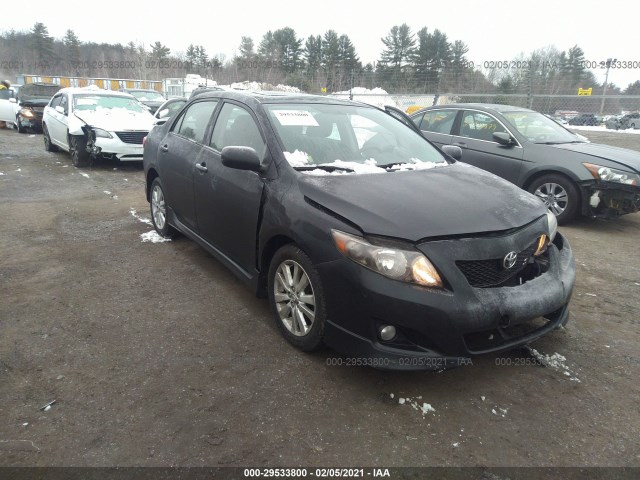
pixel 561 105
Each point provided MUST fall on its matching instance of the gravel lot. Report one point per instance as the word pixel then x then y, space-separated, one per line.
pixel 157 356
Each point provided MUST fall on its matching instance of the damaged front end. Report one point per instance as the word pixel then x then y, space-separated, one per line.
pixel 90 141
pixel 614 192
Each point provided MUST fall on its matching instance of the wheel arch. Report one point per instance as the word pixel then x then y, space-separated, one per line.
pixel 152 174
pixel 269 249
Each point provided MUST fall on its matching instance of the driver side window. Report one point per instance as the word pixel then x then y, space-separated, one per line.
pixel 480 126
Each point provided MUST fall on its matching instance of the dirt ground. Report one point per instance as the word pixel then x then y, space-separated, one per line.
pixel 157 356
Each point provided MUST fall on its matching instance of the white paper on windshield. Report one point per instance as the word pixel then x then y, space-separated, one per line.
pixel 295 117
pixel 86 101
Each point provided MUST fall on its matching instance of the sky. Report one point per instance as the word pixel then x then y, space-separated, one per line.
pixel 493 30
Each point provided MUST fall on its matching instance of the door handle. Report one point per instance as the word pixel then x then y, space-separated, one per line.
pixel 164 148
pixel 202 167
pixel 459 143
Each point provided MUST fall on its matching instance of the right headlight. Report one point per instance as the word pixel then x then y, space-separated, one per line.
pixel 607 174
pixel 408 266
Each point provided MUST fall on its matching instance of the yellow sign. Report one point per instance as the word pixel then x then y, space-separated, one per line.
pixel 585 91
pixel 323 89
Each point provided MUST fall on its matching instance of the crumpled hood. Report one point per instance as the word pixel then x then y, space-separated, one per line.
pixel 414 205
pixel 622 156
pixel 117 119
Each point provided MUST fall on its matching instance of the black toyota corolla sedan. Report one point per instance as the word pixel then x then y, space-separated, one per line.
pixel 572 176
pixel 363 235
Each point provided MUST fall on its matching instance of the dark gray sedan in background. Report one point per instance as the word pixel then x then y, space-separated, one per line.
pixel 363 235
pixel 571 175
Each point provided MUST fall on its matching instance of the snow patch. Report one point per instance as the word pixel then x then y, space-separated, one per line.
pixel 153 237
pixel 602 128
pixel 135 215
pixel 85 175
pixel 297 158
pixel 425 408
pixel 555 361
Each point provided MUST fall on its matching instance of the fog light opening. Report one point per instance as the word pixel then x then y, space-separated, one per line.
pixel 387 333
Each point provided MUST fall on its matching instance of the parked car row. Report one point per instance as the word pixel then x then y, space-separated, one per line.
pixel 622 122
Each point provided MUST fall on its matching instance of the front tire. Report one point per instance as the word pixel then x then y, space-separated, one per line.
pixel 158 207
pixel 559 194
pixel 297 298
pixel 48 146
pixel 78 151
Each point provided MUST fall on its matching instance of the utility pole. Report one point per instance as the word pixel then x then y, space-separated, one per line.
pixel 606 81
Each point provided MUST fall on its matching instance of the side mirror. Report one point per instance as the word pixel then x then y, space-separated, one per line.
pixel 241 158
pixel 59 109
pixel 452 151
pixel 503 138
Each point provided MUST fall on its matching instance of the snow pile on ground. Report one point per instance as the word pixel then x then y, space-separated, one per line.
pixel 153 237
pixel 377 97
pixel 259 87
pixel 502 412
pixel 85 175
pixel 555 361
pixel 602 128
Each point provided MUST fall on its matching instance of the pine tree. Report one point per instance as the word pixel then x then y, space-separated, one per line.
pixel 42 46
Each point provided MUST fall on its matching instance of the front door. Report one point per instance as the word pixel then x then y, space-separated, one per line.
pixel 228 200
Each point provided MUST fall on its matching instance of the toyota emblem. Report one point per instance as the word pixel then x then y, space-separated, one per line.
pixel 509 260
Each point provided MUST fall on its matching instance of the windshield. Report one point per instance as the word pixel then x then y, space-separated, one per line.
pixel 540 129
pixel 100 102
pixel 145 96
pixel 321 139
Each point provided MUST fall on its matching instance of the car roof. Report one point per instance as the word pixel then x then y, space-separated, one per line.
pixel 489 107
pixel 95 91
pixel 269 97
pixel 138 90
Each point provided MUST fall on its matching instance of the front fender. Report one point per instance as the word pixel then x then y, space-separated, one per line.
pixel 75 125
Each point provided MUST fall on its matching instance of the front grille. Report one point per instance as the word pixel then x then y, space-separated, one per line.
pixel 491 273
pixel 132 137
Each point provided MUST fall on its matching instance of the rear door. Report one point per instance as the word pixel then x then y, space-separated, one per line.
pixel 228 200
pixel 178 155
pixel 475 138
pixel 437 125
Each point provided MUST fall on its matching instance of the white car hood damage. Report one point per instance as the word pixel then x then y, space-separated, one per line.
pixel 111 120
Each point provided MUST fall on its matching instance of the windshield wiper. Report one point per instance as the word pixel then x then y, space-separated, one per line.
pixel 328 168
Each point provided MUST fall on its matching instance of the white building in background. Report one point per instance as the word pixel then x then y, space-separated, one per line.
pixel 182 87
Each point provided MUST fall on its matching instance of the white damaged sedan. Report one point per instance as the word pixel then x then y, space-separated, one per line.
pixel 91 123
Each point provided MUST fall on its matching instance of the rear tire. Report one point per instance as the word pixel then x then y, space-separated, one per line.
pixel 560 195
pixel 78 152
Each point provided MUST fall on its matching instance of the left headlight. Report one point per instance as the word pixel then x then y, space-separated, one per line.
pixel 401 264
pixel 607 174
pixel 27 113
pixel 102 133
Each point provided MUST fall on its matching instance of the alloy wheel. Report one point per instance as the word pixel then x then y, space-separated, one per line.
pixel 158 207
pixel 554 196
pixel 294 298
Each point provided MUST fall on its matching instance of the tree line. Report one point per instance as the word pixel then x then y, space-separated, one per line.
pixel 421 62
